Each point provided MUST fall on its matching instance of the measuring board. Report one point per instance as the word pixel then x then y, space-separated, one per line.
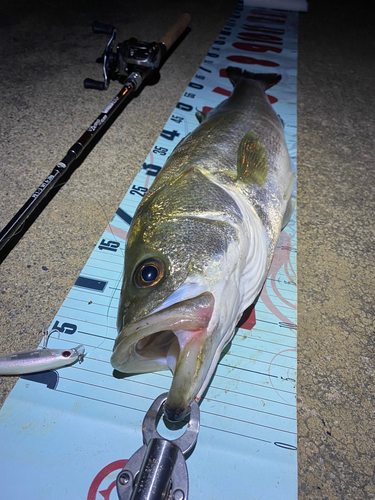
pixel 67 433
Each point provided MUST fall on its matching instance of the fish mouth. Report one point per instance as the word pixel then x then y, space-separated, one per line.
pixel 175 338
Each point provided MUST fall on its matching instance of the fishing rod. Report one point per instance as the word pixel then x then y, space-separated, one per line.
pixel 131 63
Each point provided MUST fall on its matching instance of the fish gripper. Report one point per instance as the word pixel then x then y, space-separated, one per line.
pixel 158 471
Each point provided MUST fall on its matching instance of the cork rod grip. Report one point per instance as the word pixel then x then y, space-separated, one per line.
pixel 176 31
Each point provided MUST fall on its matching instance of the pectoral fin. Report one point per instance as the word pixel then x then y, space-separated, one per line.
pixel 252 161
pixel 288 212
pixel 289 189
pixel 200 115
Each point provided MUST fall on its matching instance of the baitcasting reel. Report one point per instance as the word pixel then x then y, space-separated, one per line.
pixel 131 58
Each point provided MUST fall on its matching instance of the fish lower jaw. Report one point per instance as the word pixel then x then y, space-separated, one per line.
pixel 156 352
pixel 189 374
pixel 181 352
pixel 182 338
pixel 191 380
pixel 158 341
pixel 173 349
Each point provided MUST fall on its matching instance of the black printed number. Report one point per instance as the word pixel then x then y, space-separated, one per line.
pixel 68 328
pixel 109 245
pixel 158 150
pixel 152 170
pixel 139 190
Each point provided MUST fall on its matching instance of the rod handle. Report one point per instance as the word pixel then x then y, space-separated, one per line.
pixel 176 31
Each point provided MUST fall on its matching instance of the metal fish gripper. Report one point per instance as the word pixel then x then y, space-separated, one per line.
pixel 158 471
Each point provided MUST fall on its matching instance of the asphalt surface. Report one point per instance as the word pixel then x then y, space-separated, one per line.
pixel 47 49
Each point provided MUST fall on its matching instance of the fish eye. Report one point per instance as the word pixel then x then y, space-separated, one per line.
pixel 148 273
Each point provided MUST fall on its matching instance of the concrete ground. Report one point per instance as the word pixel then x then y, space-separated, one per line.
pixel 47 49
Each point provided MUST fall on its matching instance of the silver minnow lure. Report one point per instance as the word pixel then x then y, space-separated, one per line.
pixel 40 360
pixel 202 240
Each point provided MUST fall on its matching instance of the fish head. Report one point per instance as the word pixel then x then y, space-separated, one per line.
pixel 174 304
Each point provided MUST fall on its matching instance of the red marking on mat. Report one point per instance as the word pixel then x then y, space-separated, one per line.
pixel 252 60
pixel 221 91
pixel 260 37
pixel 107 493
pixel 248 320
pixel 256 47
pixel 116 231
pixel 278 294
pixel 206 109
pixel 147 181
pixel 263 29
pixel 274 310
pixel 99 480
pixel 281 259
pixel 223 73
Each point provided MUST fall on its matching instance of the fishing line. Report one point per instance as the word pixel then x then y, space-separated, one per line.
pixel 47 334
pixel 44 358
pixel 119 279
pixel 107 316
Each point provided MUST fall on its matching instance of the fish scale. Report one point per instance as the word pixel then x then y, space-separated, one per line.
pixel 194 194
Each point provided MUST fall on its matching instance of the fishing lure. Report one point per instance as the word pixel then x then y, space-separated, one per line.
pixel 40 360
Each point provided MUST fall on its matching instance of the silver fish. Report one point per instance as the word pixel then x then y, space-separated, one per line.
pixel 202 240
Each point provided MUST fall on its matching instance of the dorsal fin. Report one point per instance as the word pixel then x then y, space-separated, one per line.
pixel 252 160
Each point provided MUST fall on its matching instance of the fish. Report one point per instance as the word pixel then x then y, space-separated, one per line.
pixel 202 240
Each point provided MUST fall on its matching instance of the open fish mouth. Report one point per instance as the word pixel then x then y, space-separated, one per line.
pixel 177 338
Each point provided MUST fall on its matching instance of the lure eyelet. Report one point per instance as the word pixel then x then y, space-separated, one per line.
pixel 149 273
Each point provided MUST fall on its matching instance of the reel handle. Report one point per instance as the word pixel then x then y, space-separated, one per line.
pixel 89 83
pixel 176 31
pixel 103 28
